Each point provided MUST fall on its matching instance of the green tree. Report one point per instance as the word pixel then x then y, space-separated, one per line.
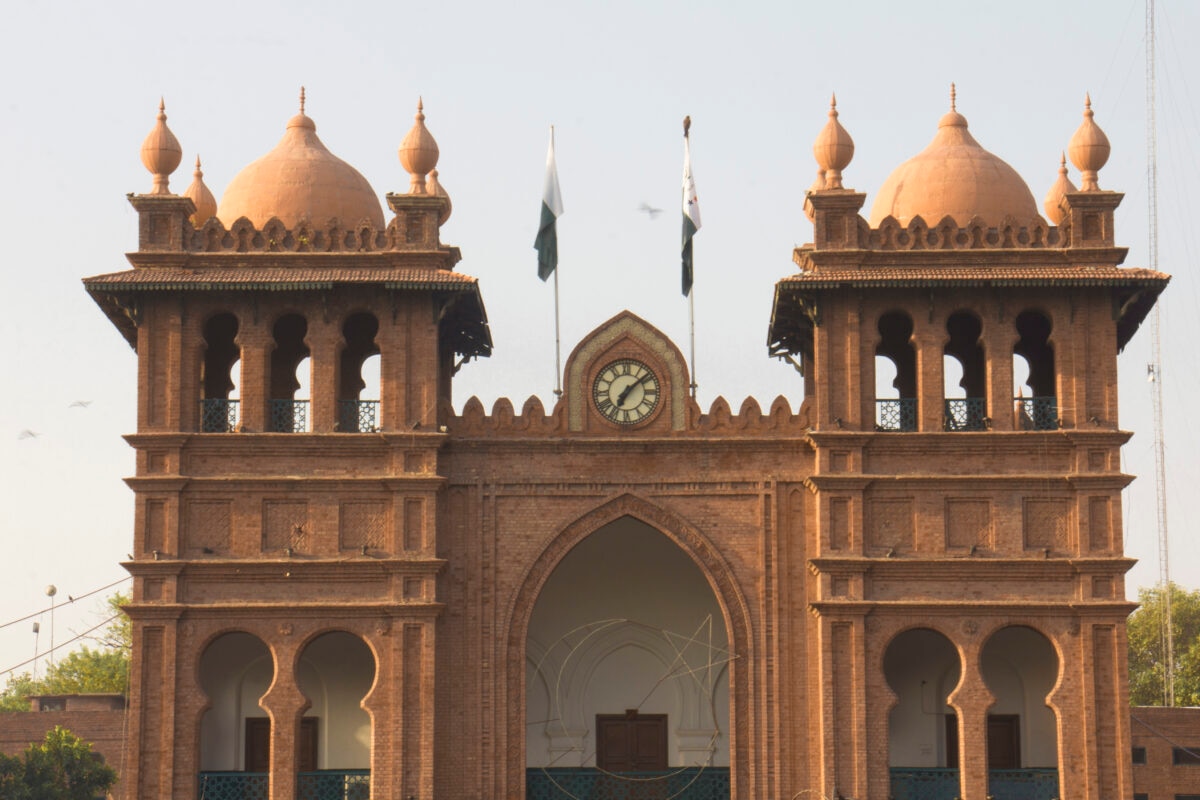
pixel 1147 648
pixel 104 669
pixel 62 767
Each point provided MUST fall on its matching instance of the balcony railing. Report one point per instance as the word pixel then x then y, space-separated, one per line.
pixel 920 783
pixel 326 784
pixel 684 783
pixel 1036 413
pixel 896 415
pixel 913 783
pixel 233 786
pixel 1023 784
pixel 289 416
pixel 967 414
pixel 334 784
pixel 218 415
pixel 358 416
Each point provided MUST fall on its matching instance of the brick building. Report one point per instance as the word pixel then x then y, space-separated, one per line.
pixel 876 587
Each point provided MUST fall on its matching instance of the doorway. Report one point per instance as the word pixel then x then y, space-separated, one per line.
pixel 631 742
pixel 258 744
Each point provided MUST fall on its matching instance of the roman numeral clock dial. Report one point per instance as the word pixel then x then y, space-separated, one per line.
pixel 626 391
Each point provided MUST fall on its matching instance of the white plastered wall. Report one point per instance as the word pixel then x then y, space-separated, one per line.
pixel 1020 667
pixel 922 667
pixel 335 673
pixel 235 671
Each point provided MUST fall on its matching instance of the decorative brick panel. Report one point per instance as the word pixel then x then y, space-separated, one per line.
pixel 839 523
pixel 1100 536
pixel 1047 524
pixel 156 526
pixel 968 524
pixel 209 526
pixel 890 525
pixel 285 524
pixel 363 524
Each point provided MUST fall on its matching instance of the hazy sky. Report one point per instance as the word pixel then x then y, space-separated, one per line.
pixel 81 84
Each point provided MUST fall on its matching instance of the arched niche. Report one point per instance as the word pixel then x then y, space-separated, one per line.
pixel 236 669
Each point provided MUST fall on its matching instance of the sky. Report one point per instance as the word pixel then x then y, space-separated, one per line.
pixel 80 84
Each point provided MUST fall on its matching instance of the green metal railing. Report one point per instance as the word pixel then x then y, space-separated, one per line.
pixel 325 784
pixel 289 416
pixel 218 415
pixel 921 783
pixel 896 415
pixel 358 416
pixel 966 414
pixel 589 783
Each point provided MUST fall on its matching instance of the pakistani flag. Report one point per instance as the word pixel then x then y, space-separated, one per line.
pixel 691 210
pixel 547 238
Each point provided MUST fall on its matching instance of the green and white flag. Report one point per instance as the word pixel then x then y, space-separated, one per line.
pixel 691 210
pixel 547 237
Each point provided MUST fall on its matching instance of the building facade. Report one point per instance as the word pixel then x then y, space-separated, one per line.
pixel 876 588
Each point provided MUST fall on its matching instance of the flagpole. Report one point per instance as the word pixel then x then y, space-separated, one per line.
pixel 691 224
pixel 692 327
pixel 557 340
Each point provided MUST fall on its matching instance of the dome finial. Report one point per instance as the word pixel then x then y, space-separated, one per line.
pixel 301 99
pixel 953 97
pixel 201 197
pixel 1089 148
pixel 161 152
pixel 833 149
pixel 1060 189
pixel 418 151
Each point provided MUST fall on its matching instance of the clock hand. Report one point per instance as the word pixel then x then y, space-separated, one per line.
pixel 625 393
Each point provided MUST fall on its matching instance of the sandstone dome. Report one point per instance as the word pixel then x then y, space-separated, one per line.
pixel 954 176
pixel 300 180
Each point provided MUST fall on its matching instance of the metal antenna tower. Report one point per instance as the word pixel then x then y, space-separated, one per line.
pixel 1154 370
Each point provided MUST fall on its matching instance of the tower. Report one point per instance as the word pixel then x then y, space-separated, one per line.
pixel 285 536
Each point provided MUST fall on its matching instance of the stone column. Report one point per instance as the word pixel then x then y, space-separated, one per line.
pixel 285 705
pixel 256 348
pixel 971 701
pixel 322 340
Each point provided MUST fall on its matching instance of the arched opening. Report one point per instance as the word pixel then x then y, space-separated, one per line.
pixel 922 667
pixel 1020 667
pixel 358 376
pixel 963 358
pixel 333 757
pixel 236 670
pixel 627 673
pixel 895 408
pixel 218 402
pixel 1034 395
pixel 289 375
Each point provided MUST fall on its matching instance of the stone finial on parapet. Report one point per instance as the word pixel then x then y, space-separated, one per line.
pixel 833 149
pixel 1089 149
pixel 1053 204
pixel 198 192
pixel 419 152
pixel 161 152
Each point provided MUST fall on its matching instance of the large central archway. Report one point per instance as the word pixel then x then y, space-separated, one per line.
pixel 627 661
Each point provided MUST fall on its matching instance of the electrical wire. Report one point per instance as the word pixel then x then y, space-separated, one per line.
pixel 58 606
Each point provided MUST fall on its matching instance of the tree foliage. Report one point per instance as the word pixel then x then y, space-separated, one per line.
pixel 104 669
pixel 61 767
pixel 1147 648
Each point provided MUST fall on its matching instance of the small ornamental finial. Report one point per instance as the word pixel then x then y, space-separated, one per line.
pixel 687 124
pixel 201 197
pixel 1089 148
pixel 301 99
pixel 833 149
pixel 161 152
pixel 953 97
pixel 418 152
pixel 1053 203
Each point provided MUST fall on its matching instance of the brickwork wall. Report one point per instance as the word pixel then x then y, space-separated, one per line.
pixel 1160 731
pixel 104 729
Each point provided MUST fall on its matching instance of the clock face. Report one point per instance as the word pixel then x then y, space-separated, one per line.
pixel 625 391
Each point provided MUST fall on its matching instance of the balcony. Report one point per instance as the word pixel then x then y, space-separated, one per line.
pixel 967 414
pixel 913 783
pixel 326 784
pixel 896 415
pixel 289 416
pixel 218 415
pixel 683 783
pixel 358 416
pixel 1036 413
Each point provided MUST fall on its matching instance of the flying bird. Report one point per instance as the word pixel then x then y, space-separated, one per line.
pixel 649 210
pixel 27 434
pixel 80 404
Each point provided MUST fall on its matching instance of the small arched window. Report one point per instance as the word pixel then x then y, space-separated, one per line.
pixel 218 402
pixel 289 375
pixel 1035 398
pixel 895 408
pixel 963 358
pixel 358 376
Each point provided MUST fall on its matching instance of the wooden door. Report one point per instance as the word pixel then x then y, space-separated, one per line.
pixel 951 740
pixel 258 744
pixel 1004 741
pixel 631 742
